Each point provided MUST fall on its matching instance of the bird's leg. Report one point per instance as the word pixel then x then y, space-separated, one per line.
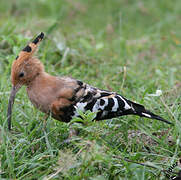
pixel 72 132
pixel 45 121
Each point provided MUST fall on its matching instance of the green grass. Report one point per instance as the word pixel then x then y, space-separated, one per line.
pixel 131 47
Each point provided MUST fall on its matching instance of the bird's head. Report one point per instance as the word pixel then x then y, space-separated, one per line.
pixel 24 69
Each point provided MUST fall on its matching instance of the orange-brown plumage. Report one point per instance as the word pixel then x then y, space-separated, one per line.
pixel 61 96
pixel 48 93
pixel 30 67
pixel 25 63
pixel 45 90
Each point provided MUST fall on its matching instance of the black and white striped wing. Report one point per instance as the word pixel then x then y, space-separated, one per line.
pixel 110 104
pixel 105 103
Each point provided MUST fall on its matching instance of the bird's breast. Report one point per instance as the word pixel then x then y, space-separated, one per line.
pixel 42 99
pixel 42 91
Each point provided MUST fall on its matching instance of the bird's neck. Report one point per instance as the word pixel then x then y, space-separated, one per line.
pixel 41 76
pixel 42 91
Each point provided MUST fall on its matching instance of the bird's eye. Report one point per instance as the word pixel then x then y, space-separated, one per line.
pixel 21 74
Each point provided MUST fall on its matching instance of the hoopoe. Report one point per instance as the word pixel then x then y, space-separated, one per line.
pixel 62 96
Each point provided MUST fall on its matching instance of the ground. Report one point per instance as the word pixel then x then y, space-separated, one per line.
pixel 132 47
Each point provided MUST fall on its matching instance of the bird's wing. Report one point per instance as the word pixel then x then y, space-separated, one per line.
pixel 106 104
pixel 109 104
pixel 70 92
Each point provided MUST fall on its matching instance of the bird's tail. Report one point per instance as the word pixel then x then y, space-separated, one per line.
pixel 142 112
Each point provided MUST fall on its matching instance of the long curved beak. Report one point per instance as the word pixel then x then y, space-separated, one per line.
pixel 14 90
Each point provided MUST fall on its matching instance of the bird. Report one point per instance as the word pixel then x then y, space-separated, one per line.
pixel 62 97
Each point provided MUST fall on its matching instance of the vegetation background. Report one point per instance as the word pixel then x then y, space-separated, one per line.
pixel 132 47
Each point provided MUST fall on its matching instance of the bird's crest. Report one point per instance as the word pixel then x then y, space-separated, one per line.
pixel 28 51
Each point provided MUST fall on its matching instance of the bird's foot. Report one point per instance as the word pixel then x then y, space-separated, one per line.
pixel 72 136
